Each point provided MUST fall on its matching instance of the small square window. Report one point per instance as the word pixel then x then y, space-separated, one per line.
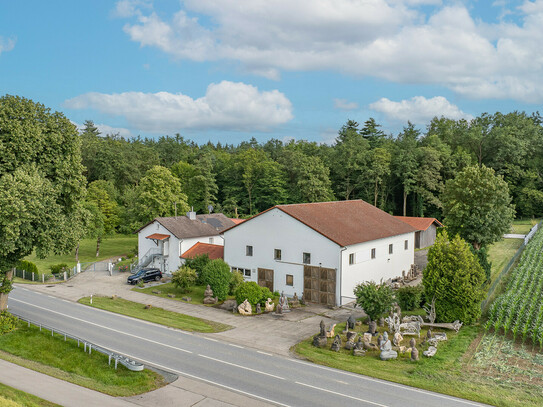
pixel 210 240
pixel 247 272
pixel 248 250
pixel 406 244
pixel 277 254
pixel 390 248
pixel 373 253
pixel 290 279
pixel 307 258
pixel 351 258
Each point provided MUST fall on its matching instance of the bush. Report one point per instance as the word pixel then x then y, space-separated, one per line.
pixel 198 263
pixel 374 299
pixel 27 266
pixel 236 279
pixel 8 322
pixel 409 298
pixel 184 277
pixel 58 268
pixel 253 293
pixel 482 256
pixel 217 274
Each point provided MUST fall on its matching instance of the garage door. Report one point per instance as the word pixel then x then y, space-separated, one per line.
pixel 265 278
pixel 320 285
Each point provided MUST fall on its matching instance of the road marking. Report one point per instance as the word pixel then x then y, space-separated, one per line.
pixel 50 296
pixel 341 394
pixel 236 346
pixel 264 353
pixel 211 339
pixel 105 327
pixel 342 382
pixel 241 367
pixel 69 302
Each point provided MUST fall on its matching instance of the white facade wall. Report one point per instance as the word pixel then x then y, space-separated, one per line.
pixel 170 248
pixel 277 230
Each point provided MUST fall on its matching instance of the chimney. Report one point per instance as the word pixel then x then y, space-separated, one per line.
pixel 191 215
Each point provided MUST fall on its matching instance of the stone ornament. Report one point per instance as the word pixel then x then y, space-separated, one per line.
pixel 269 306
pixel 386 349
pixel 245 308
pixel 295 302
pixel 350 344
pixel 351 322
pixel 358 349
pixel 320 340
pixel 430 352
pixel 330 333
pixel 336 345
pixel 208 296
pixel 414 350
pixel 258 308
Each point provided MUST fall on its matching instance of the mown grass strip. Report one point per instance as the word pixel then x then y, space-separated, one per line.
pixel 156 315
pixel 50 354
pixel 14 397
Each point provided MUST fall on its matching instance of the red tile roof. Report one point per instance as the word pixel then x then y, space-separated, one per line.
pixel 157 236
pixel 214 251
pixel 237 221
pixel 345 222
pixel 419 223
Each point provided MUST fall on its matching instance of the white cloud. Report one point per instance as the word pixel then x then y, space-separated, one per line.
pixel 225 106
pixel 344 104
pixel 6 44
pixel 106 129
pixel 418 109
pixel 390 39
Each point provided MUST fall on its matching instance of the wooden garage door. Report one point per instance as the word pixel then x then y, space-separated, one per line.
pixel 265 278
pixel 320 285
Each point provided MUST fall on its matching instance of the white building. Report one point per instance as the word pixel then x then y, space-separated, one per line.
pixel 321 249
pixel 162 241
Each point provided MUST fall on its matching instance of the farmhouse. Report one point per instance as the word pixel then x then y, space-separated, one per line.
pixel 321 249
pixel 426 229
pixel 163 241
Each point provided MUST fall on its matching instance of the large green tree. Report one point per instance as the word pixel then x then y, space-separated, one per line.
pixel 102 194
pixel 41 184
pixel 455 279
pixel 477 206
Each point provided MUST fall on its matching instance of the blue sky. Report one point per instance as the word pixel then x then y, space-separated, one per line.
pixel 228 70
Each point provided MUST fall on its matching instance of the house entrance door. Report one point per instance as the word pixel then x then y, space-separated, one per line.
pixel 320 285
pixel 265 278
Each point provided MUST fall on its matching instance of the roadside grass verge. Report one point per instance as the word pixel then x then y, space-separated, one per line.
pixel 156 315
pixel 523 226
pixel 196 293
pixel 448 372
pixel 111 246
pixel 50 354
pixel 13 397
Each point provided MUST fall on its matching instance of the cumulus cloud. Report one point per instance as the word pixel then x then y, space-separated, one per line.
pixel 225 106
pixel 6 44
pixel 418 109
pixel 396 40
pixel 106 129
pixel 344 104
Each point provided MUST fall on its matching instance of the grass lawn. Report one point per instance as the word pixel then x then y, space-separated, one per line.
pixel 156 315
pixel 111 246
pixel 196 293
pixel 500 253
pixel 28 347
pixel 10 397
pixel 523 226
pixel 454 370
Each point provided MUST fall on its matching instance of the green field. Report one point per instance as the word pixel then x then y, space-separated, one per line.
pixel 40 351
pixel 112 246
pixel 156 315
pixel 10 397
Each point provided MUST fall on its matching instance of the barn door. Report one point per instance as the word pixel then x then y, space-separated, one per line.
pixel 320 285
pixel 265 278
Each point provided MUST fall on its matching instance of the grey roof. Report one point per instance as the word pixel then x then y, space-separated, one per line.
pixel 204 225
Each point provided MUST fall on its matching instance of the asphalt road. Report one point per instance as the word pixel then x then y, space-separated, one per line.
pixel 268 377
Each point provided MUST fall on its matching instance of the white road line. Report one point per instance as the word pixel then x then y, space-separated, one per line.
pixel 264 353
pixel 341 394
pixel 403 387
pixel 342 382
pixel 105 327
pixel 241 367
pixel 236 346
pixel 69 302
pixel 211 339
pixel 50 296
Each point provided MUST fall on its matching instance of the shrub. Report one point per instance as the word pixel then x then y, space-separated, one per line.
pixel 482 256
pixel 184 277
pixel 27 266
pixel 58 268
pixel 217 274
pixel 198 263
pixel 236 279
pixel 374 299
pixel 253 293
pixel 8 322
pixel 409 298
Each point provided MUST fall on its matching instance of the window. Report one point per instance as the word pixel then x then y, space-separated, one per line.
pixel 406 244
pixel 277 254
pixel 390 248
pixel 211 240
pixel 245 272
pixel 290 279
pixel 248 250
pixel 351 258
pixel 307 258
pixel 373 253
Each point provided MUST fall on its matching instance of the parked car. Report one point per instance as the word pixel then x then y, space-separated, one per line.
pixel 144 275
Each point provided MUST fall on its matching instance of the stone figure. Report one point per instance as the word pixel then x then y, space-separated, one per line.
pixel 258 308
pixel 323 328
pixel 336 345
pixel 358 349
pixel 294 302
pixel 283 303
pixel 245 308
pixel 351 336
pixel 320 340
pixel 414 350
pixel 397 339
pixel 367 337
pixel 379 340
pixel 330 333
pixel 208 296
pixel 269 306
pixel 430 352
pixel 381 322
pixel 351 322
pixel 386 349
pixel 302 300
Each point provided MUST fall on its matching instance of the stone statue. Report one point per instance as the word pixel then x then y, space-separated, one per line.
pixel 386 349
pixel 269 305
pixel 430 352
pixel 351 322
pixel 372 328
pixel 397 339
pixel 330 333
pixel 208 296
pixel 414 350
pixel 323 328
pixel 283 304
pixel 351 336
pixel 245 308
pixel 381 322
pixel 358 349
pixel 379 340
pixel 320 340
pixel 302 300
pixel 295 302
pixel 336 345
pixel 258 309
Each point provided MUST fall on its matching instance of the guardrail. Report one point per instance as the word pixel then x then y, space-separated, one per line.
pixel 129 363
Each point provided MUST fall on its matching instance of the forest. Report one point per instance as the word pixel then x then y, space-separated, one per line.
pixel 131 181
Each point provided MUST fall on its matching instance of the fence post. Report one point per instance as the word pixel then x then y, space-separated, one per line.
pixel 78 267
pixel 43 278
pixel 23 274
pixel 65 276
pixel 32 276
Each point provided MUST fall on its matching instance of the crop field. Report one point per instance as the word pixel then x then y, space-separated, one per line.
pixel 518 312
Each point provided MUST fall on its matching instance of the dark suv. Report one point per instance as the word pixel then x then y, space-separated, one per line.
pixel 145 275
